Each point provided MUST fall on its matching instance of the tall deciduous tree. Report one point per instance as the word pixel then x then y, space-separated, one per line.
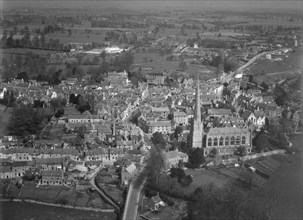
pixel 158 140
pixel 25 120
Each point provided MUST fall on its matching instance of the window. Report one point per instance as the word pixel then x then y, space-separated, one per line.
pixel 210 142
pixel 215 141
pixel 232 140
pixel 221 141
pixel 243 139
pixel 226 141
pixel 238 140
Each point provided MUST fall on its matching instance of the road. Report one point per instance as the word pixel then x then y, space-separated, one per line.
pixel 240 69
pixel 132 200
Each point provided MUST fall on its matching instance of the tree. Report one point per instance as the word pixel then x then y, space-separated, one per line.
pixel 241 151
pixel 154 166
pixel 196 158
pixel 96 60
pixel 198 36
pixel 260 142
pixel 230 202
pixel 183 30
pixel 59 113
pixel 158 139
pixel 213 152
pixel 57 103
pixel 69 32
pixel 25 120
pixel 178 131
pixel 230 65
pixel 182 65
pixel 124 61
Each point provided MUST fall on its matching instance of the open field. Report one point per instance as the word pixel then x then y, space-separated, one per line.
pixel 78 36
pixel 144 57
pixel 265 66
pixel 204 177
pixel 23 51
pixel 191 71
pixel 56 194
pixel 27 211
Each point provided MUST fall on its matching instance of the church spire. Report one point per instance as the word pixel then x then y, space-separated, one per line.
pixel 198 105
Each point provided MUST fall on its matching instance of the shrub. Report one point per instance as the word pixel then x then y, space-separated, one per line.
pixel 150 192
pixel 186 181
pixel 62 201
pixel 167 200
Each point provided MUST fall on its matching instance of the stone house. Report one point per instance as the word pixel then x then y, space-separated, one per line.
pixel 127 173
pixel 172 159
pixel 52 177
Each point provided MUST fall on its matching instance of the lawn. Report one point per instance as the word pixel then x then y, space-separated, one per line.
pixel 204 177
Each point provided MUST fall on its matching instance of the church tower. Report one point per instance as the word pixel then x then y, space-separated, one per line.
pixel 197 123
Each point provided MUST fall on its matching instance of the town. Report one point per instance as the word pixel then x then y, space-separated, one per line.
pixel 147 115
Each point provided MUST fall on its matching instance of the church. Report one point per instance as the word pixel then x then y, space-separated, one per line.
pixel 225 139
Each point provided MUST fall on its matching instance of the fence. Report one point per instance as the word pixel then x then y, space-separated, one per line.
pixel 249 157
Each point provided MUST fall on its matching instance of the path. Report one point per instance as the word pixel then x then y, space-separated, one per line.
pixel 103 195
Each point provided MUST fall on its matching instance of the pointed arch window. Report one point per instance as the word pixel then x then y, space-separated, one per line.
pixel 221 140
pixel 215 141
pixel 210 142
pixel 232 140
pixel 238 140
pixel 226 141
pixel 243 140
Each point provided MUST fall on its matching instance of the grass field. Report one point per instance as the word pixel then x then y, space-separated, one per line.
pixel 29 211
pixel 203 177
pixel 291 63
pixel 192 70
pixel 78 36
pixel 146 57
pixel 57 193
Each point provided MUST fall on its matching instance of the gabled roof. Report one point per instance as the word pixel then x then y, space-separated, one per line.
pixel 219 111
pixel 131 168
pixel 246 114
pixel 227 130
pixel 58 173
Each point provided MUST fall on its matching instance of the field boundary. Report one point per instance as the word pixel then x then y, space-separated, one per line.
pixel 58 205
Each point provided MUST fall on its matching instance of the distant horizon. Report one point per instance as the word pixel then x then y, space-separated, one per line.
pixel 264 5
